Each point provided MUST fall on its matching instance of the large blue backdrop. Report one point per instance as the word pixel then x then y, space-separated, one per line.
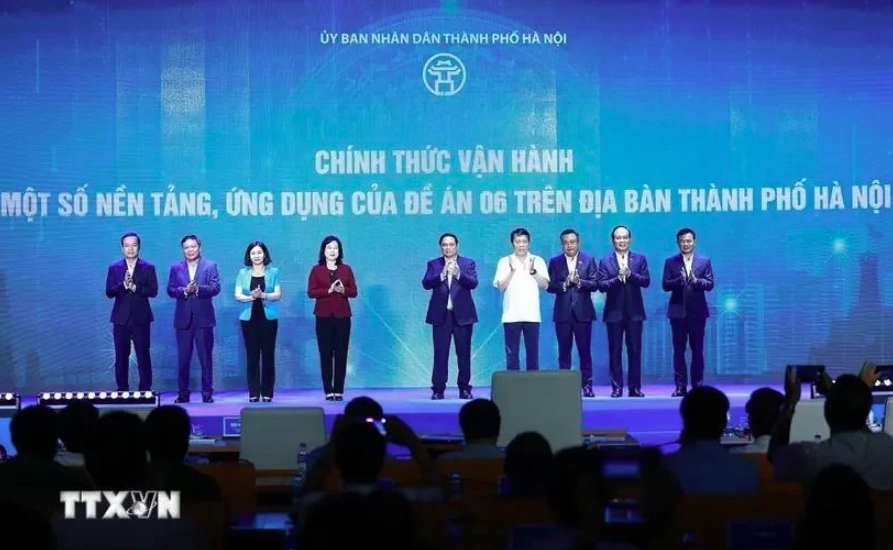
pixel 766 130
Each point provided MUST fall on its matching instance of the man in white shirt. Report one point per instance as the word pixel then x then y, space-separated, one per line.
pixel 480 422
pixel 851 443
pixel 702 465
pixel 762 410
pixel 521 276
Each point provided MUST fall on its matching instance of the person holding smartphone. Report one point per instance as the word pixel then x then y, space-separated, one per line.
pixel 332 284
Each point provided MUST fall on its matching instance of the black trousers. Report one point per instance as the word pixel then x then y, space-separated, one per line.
pixel 688 333
pixel 512 333
pixel 260 345
pixel 141 336
pixel 333 339
pixel 580 331
pixel 200 340
pixel 442 335
pixel 629 332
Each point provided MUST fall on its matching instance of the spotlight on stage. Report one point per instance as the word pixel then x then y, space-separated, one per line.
pixel 100 398
pixel 10 400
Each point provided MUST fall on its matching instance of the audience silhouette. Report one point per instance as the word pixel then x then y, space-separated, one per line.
pixel 572 492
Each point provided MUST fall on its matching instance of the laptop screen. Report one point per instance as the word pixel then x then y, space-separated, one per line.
pixel 875 420
pixel 5 438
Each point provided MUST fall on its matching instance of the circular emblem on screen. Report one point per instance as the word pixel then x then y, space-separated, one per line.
pixel 444 74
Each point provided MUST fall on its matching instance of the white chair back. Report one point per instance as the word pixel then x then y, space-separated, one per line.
pixel 547 402
pixel 271 437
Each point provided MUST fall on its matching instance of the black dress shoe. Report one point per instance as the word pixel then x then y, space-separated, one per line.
pixel 636 393
pixel 267 399
pixel 617 393
pixel 587 391
pixel 253 399
pixel 207 399
pixel 680 392
pixel 465 394
pixel 339 397
pixel 181 399
pixel 437 396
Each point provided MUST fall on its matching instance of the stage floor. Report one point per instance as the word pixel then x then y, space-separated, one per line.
pixel 653 420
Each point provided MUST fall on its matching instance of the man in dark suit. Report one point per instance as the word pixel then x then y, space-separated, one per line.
pixel 572 280
pixel 131 281
pixel 687 277
pixel 621 276
pixel 194 282
pixel 452 313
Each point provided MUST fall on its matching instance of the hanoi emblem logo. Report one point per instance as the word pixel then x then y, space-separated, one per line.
pixel 444 74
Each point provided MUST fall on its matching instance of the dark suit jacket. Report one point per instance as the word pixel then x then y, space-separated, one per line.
pixel 687 299
pixel 609 283
pixel 129 306
pixel 197 311
pixel 334 304
pixel 460 291
pixel 572 302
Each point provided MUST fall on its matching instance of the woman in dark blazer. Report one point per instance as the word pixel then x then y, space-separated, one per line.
pixel 331 284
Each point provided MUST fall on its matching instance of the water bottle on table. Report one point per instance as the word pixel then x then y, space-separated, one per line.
pixel 300 472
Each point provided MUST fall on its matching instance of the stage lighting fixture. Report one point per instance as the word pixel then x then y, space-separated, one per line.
pixel 10 400
pixel 57 398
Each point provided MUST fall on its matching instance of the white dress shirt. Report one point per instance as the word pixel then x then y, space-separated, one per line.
pixel 449 279
pixel 571 264
pixel 130 270
pixel 571 267
pixel 521 298
pixel 869 454
pixel 687 262
pixel 193 269
pixel 622 262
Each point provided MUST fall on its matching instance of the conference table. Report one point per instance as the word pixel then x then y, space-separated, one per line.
pixel 261 529
pixel 220 449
